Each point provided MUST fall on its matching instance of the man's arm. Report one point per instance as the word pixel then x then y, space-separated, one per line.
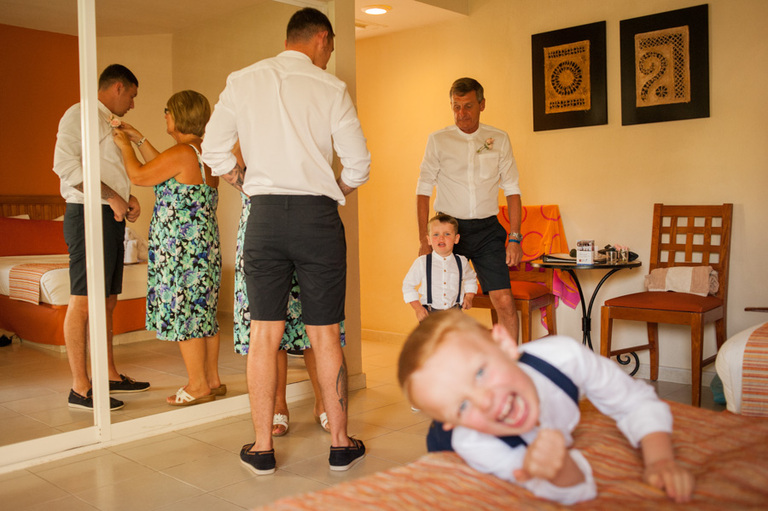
pixel 345 189
pixel 422 216
pixel 235 177
pixel 119 206
pixel 515 211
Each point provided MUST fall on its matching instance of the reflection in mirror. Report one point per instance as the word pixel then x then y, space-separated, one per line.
pixel 168 50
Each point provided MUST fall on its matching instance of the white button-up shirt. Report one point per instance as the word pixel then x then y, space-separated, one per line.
pixel 289 115
pixel 68 156
pixel 445 281
pixel 468 181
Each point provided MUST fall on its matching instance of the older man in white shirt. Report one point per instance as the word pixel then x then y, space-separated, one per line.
pixel 468 163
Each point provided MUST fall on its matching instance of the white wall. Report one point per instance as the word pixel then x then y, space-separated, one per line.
pixel 605 178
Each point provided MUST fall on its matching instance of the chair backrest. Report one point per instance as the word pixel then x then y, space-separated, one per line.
pixel 693 236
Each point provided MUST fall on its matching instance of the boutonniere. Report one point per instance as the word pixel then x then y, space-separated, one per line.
pixel 114 122
pixel 486 146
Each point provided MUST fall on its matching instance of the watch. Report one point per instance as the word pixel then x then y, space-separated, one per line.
pixel 515 237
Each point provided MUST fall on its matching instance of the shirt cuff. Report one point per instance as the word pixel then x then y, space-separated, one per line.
pixel 220 167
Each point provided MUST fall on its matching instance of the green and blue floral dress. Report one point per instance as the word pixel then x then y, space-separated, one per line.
pixel 184 268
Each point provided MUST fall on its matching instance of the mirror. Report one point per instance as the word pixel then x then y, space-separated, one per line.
pixel 168 49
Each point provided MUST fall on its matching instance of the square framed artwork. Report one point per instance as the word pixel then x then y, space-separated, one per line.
pixel 665 66
pixel 569 82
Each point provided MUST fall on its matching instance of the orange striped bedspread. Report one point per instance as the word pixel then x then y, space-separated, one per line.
pixel 727 453
pixel 24 280
pixel 754 376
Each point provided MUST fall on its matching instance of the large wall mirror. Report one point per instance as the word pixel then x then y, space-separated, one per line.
pixel 170 46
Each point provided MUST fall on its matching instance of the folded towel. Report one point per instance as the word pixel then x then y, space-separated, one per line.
pixel 697 280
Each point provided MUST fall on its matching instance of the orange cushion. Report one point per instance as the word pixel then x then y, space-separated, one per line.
pixel 31 237
pixel 669 301
pixel 528 290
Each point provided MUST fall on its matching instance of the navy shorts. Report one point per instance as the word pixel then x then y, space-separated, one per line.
pixel 302 233
pixel 114 250
pixel 483 242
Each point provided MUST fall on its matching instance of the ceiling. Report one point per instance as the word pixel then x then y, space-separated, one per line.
pixel 167 16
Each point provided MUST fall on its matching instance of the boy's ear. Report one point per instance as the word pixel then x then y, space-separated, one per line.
pixel 504 340
pixel 457 239
pixel 447 427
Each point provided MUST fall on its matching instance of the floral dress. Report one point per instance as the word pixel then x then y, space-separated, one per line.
pixel 184 269
pixel 295 335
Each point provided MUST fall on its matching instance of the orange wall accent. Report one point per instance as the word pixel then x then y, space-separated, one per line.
pixel 38 82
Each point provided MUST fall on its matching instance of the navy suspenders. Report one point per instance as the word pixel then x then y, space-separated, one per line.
pixel 429 279
pixel 440 440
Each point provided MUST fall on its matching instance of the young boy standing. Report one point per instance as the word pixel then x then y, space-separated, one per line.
pixel 440 280
pixel 510 411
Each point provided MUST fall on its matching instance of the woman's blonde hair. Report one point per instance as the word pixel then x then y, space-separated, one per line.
pixel 190 111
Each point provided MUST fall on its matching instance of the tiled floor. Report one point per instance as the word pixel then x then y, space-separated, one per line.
pixel 198 468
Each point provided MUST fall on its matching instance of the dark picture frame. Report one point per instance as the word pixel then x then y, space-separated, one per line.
pixel 665 66
pixel 569 77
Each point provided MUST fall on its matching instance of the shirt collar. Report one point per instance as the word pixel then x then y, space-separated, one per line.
pixel 104 112
pixel 296 55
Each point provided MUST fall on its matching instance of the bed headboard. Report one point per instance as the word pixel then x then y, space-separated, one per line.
pixel 38 207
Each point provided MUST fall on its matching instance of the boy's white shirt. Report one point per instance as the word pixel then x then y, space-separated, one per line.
pixel 632 403
pixel 443 289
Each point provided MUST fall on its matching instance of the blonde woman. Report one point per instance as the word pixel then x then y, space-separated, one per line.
pixel 184 269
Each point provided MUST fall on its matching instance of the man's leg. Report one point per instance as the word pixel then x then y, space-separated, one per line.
pixel 504 304
pixel 332 377
pixel 75 327
pixel 111 303
pixel 261 374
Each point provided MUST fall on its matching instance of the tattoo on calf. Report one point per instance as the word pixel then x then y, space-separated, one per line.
pixel 341 385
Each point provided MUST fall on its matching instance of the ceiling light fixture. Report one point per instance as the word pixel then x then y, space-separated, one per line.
pixel 376 10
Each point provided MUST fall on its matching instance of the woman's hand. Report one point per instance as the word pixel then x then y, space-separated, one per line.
pixel 121 139
pixel 133 134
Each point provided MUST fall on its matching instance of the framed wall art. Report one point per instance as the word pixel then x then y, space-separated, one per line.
pixel 665 66
pixel 569 84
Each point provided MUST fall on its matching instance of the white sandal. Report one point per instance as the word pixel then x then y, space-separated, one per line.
pixel 184 398
pixel 279 420
pixel 322 419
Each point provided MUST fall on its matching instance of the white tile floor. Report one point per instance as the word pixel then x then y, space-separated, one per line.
pixel 198 468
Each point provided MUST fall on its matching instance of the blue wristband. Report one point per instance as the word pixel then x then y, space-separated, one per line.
pixel 514 241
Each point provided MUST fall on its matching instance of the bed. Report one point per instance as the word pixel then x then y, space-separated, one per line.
pixel 727 453
pixel 742 364
pixel 29 232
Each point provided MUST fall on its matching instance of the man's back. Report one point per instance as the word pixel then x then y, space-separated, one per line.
pixel 289 114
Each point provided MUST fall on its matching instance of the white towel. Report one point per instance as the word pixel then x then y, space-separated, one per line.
pixel 697 280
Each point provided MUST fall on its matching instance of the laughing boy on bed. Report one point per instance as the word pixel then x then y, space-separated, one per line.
pixel 509 411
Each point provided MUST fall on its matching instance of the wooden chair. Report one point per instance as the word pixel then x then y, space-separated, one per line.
pixel 529 296
pixel 682 236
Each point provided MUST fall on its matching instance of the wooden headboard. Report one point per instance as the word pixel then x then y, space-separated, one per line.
pixel 38 207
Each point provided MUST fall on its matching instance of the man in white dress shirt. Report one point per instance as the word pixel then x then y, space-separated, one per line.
pixel 118 87
pixel 289 116
pixel 468 163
